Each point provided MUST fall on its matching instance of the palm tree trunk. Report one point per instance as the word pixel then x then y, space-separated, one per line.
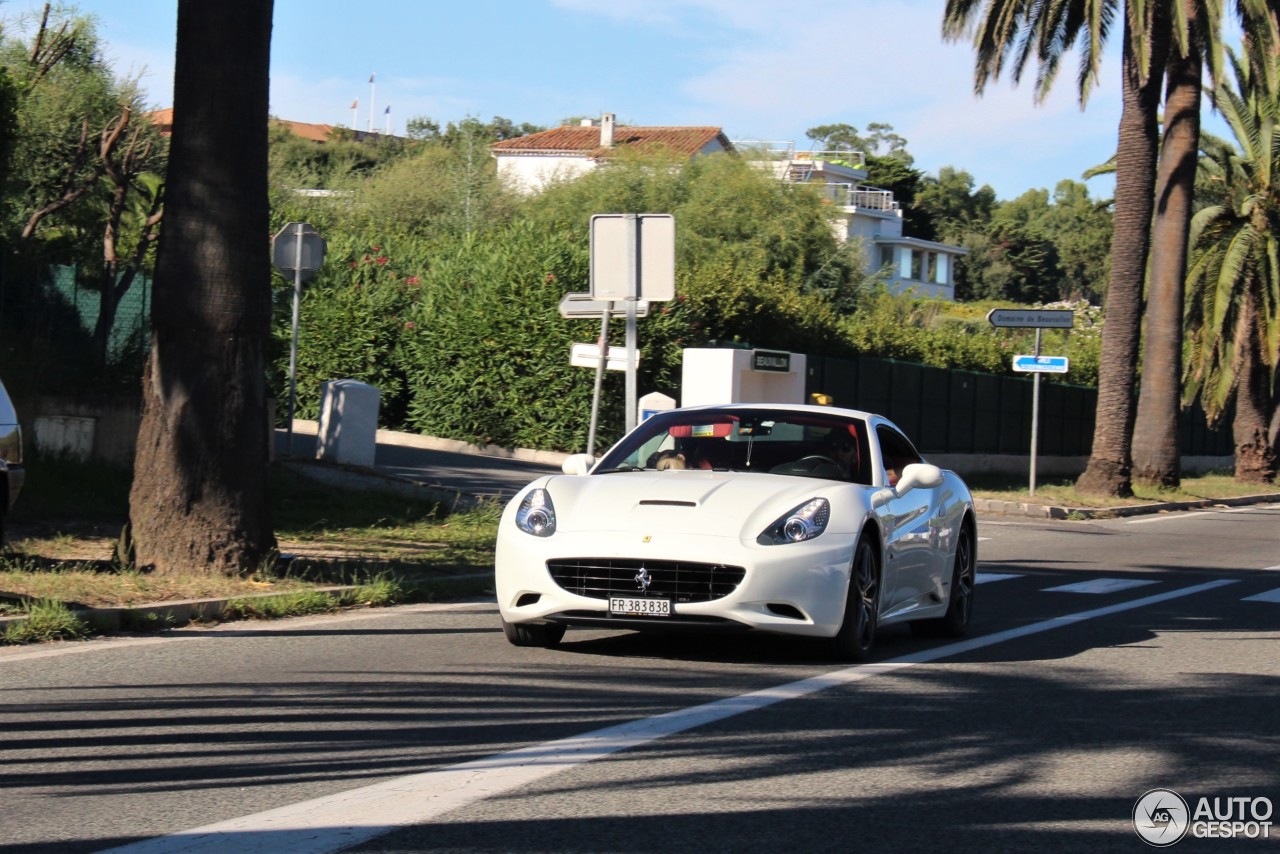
pixel 199 497
pixel 1156 447
pixel 1256 460
pixel 1110 465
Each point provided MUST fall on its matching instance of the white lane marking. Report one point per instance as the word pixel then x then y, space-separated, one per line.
pixel 1164 517
pixel 338 821
pixel 1271 568
pixel 1269 596
pixel 54 650
pixel 1100 585
pixel 985 577
pixel 1168 517
pixel 983 539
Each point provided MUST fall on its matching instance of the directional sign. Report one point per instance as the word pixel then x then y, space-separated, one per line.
pixel 588 356
pixel 1041 364
pixel 583 307
pixel 1030 318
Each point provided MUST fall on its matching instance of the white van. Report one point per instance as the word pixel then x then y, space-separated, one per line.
pixel 11 471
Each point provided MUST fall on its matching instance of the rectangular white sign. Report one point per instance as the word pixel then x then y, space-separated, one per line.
pixel 588 356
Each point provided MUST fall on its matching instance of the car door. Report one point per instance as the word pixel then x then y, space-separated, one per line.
pixel 908 521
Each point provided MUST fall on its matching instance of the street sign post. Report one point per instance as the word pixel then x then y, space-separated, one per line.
pixel 297 251
pixel 1037 319
pixel 633 258
pixel 1041 364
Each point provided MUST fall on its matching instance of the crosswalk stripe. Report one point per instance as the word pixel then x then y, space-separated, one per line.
pixel 984 577
pixel 1269 596
pixel 1100 585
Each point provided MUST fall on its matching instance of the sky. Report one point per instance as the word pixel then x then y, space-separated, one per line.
pixel 763 70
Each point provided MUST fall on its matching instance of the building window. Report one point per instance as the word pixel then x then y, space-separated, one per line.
pixel 917 264
pixel 931 270
pixel 886 256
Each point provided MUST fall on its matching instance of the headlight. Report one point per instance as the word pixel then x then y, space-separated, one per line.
pixel 537 515
pixel 803 523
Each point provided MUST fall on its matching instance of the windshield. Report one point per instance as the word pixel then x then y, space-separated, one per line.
pixel 802 444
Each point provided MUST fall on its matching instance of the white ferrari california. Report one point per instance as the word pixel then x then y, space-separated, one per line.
pixel 792 519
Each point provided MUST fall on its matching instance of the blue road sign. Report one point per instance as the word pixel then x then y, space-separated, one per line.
pixel 1041 364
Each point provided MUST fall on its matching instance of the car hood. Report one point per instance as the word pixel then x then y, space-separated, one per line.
pixel 729 504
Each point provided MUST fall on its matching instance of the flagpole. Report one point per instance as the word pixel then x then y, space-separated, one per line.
pixel 355 114
pixel 372 101
pixel 388 120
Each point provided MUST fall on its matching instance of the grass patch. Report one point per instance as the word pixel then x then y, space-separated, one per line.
pixel 1062 491
pixel 329 536
pixel 298 604
pixel 378 592
pixel 46 620
pixel 97 584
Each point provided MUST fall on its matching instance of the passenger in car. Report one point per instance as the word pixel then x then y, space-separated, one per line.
pixel 670 460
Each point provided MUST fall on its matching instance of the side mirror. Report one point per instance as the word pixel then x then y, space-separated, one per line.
pixel 578 464
pixel 913 476
pixel 919 475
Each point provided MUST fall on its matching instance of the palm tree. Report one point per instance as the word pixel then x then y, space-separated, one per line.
pixel 1233 317
pixel 199 497
pixel 1196 41
pixel 1026 28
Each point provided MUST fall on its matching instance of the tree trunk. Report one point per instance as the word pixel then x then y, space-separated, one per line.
pixel 1256 460
pixel 1157 451
pixel 199 498
pixel 1109 469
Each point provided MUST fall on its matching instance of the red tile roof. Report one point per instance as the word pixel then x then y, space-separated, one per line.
pixel 316 133
pixel 586 140
pixel 306 130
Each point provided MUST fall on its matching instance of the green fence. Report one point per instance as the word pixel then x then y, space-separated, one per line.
pixel 962 412
pixel 47 322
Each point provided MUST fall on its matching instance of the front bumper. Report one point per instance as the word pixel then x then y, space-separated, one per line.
pixel 797 588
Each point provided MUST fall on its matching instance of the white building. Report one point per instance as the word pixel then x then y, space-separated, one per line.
pixel 529 163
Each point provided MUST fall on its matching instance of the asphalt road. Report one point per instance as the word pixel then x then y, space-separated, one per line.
pixel 1107 658
pixel 472 474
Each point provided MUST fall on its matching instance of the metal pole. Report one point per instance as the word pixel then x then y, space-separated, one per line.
pixel 631 365
pixel 293 346
pixel 633 293
pixel 595 399
pixel 1035 415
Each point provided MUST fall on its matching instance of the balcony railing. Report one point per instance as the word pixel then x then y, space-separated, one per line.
pixel 858 196
pixel 753 149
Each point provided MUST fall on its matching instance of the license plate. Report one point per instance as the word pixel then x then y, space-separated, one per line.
pixel 638 606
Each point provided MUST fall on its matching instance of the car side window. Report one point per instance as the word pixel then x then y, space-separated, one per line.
pixel 897 453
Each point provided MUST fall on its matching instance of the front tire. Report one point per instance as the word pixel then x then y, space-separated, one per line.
pixel 533 634
pixel 857 632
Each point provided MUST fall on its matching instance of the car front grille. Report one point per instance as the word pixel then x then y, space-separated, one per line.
pixel 678 580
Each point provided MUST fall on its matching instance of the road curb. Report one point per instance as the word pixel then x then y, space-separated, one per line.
pixel 164 615
pixel 996 507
